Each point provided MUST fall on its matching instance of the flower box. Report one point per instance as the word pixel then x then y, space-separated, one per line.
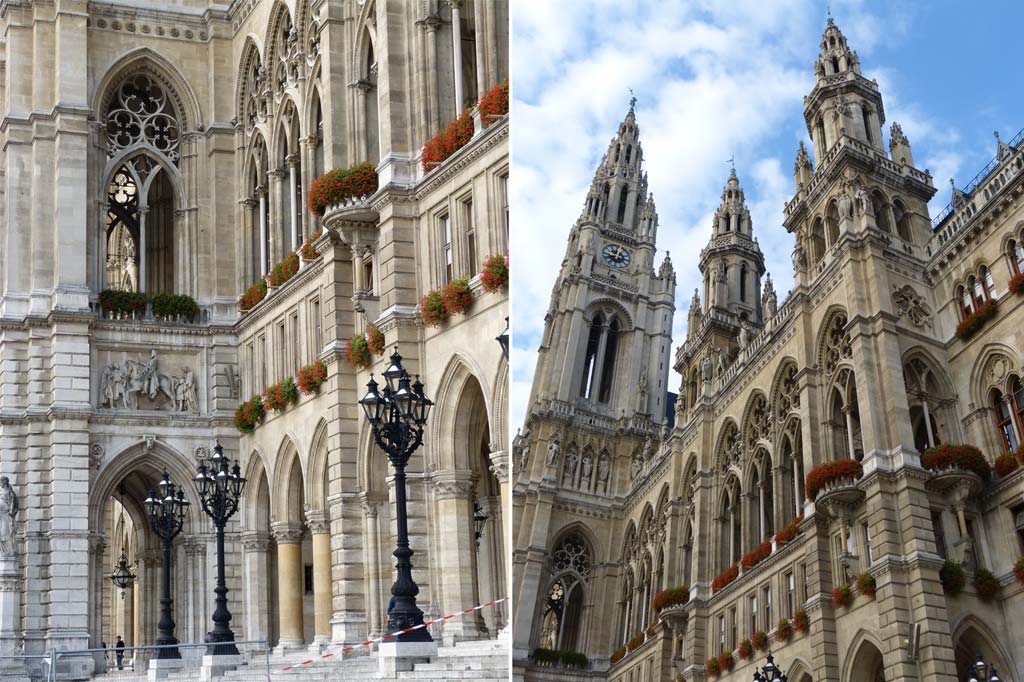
pixel 756 555
pixel 670 597
pixel 986 584
pixel 1006 464
pixel 284 270
pixel 249 414
pixel 253 295
pixel 375 340
pixel 839 471
pixel 635 641
pixel 307 251
pixel 494 103
pixel 711 667
pixel 311 377
pixel 1016 285
pixel 341 184
pixel 964 457
pixel 123 304
pixel 842 595
pixel 745 649
pixel 725 661
pixel 783 631
pixel 357 352
pixel 952 577
pixel 759 640
pixel 494 275
pixel 1018 570
pixel 971 324
pixel 725 577
pixel 788 532
pixel 617 655
pixel 432 310
pixel 801 623
pixel 281 395
pixel 447 141
pixel 175 307
pixel 457 296
pixel 866 584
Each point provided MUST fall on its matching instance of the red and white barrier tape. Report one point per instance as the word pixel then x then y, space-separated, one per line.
pixel 392 635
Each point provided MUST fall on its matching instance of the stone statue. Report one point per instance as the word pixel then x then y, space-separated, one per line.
pixel 553 450
pixel 570 464
pixel 864 206
pixel 799 257
pixel 602 472
pixel 122 383
pixel 185 399
pixel 744 334
pixel 8 510
pixel 520 449
pixel 722 363
pixel 587 467
pixel 705 367
pixel 845 202
pixel 769 301
pixel 641 398
pixel 647 450
pixel 636 466
pixel 720 272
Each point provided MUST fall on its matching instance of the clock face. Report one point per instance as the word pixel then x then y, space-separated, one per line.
pixel 615 256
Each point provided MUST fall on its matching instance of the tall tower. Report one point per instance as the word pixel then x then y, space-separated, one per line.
pixel 598 403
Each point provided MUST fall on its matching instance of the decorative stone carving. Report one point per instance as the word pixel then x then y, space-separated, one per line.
pixel 769 300
pixel 287 533
pixel 450 489
pixel 521 449
pixel 255 541
pixel 912 306
pixel 744 334
pixel 9 507
pixel 586 470
pixel 499 465
pixel 571 458
pixel 641 398
pixel 603 468
pixel 96 453
pixel 141 112
pixel 636 466
pixel 572 555
pixel 121 385
pixel 553 450
pixel 317 522
pixel 648 450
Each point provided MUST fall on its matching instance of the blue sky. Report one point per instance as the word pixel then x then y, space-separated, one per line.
pixel 719 79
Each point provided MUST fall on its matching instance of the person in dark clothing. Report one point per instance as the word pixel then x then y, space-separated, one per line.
pixel 120 646
pixel 103 645
pixel 391 604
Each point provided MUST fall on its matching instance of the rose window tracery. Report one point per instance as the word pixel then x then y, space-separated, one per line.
pixel 572 554
pixel 838 344
pixel 789 395
pixel 142 113
pixel 731 448
pixel 759 425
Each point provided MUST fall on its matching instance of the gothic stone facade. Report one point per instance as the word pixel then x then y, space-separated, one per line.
pixel 861 360
pixel 169 148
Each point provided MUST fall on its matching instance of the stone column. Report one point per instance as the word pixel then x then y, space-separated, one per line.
pixel 10 619
pixel 257 582
pixel 141 248
pixel 500 469
pixel 289 584
pixel 454 498
pixel 293 198
pixel 261 195
pixel 456 6
pixel 278 244
pixel 320 528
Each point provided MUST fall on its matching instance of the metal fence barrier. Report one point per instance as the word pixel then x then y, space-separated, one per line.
pixel 132 664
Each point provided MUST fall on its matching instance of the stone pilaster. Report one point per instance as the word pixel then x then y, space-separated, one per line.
pixel 257 584
pixel 320 528
pixel 289 584
pixel 456 560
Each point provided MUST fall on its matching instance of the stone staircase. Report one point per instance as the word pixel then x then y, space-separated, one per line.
pixel 482 661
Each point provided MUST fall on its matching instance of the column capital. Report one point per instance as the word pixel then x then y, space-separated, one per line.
pixel 453 484
pixel 255 541
pixel 499 465
pixel 318 521
pixel 277 173
pixel 292 160
pixel 261 191
pixel 287 532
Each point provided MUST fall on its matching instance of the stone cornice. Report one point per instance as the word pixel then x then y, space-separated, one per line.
pixel 268 306
pixel 493 135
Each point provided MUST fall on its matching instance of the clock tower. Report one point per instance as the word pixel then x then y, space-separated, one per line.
pixel 599 402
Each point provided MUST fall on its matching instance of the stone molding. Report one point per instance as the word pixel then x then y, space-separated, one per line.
pixel 255 541
pixel 453 485
pixel 318 522
pixel 287 533
pixel 500 465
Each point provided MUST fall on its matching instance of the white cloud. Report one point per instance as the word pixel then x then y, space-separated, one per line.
pixel 713 80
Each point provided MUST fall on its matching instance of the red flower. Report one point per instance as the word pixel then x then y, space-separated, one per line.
pixel 375 340
pixel 788 532
pixel 339 184
pixel 745 649
pixel 1016 285
pixel 495 101
pixel 457 296
pixel 842 596
pixel 432 309
pixel 249 414
pixel 756 555
pixel 1006 464
pixel 711 667
pixel 725 661
pixel 307 250
pixel 783 631
pixel 670 597
pixel 1018 570
pixel 830 472
pixel 965 457
pixel 800 621
pixel 253 295
pixel 447 141
pixel 635 641
pixel 311 377
pixel 358 352
pixel 866 584
pixel 724 578
pixel 986 584
pixel 970 325
pixel 759 640
pixel 284 271
pixel 952 577
pixel 617 655
pixel 494 275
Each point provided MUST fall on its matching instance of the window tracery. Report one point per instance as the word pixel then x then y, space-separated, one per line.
pixel 141 113
pixel 573 555
pixel 838 344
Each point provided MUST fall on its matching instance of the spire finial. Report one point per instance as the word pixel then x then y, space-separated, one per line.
pixel 632 100
pixel 996 133
pixel 828 11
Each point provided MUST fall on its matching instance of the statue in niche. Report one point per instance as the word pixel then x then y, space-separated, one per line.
pixel 636 466
pixel 744 334
pixel 553 450
pixel 8 511
pixel 769 301
pixel 648 450
pixel 602 473
pixel 845 202
pixel 722 362
pixel 705 366
pixel 587 468
pixel 570 464
pixel 864 206
pixel 641 399
pixel 185 399
pixel 799 257
pixel 521 449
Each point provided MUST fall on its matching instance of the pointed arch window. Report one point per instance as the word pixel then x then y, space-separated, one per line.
pixel 590 356
pixel 866 118
pixel 608 362
pixel 623 200
pixel 743 283
pixel 990 286
pixel 598 370
pixel 1001 409
pixel 1016 250
pixel 629 152
pixel 563 607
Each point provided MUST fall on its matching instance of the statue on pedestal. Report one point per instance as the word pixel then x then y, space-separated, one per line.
pixel 8 511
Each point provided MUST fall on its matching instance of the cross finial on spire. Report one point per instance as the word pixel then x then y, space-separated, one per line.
pixel 996 133
pixel 828 11
pixel 731 161
pixel 632 100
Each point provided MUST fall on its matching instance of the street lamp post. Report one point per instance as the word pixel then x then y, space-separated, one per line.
pixel 220 485
pixel 769 672
pixel 982 672
pixel 502 340
pixel 397 415
pixel 167 517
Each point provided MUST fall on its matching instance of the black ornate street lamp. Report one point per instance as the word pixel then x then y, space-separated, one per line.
pixel 397 415
pixel 982 672
pixel 220 485
pixel 502 340
pixel 122 576
pixel 479 520
pixel 167 517
pixel 769 672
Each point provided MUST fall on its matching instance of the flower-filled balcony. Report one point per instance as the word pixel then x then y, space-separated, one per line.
pixel 832 486
pixel 341 197
pixel 114 304
pixel 956 467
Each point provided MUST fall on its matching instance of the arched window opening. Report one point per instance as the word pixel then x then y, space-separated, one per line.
pixel 743 283
pixel 990 286
pixel 845 417
pixel 122 232
pixel 819 135
pixel 927 399
pixel 767 498
pixel 367 106
pixel 866 118
pixel 318 130
pixel 623 199
pixel 688 554
pixel 977 290
pixel 159 239
pixel 629 152
pixel 590 356
pixel 604 200
pixel 608 365
pixel 835 65
pixel 966 302
pixel 141 113
pixel 1017 256
pixel 467 34
pixel 902 221
pixel 563 607
pixel 881 212
pixel 1017 400
pixel 832 223
pixel 817 242
pixel 618 149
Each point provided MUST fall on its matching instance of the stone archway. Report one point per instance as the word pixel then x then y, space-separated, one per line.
pixel 867 664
